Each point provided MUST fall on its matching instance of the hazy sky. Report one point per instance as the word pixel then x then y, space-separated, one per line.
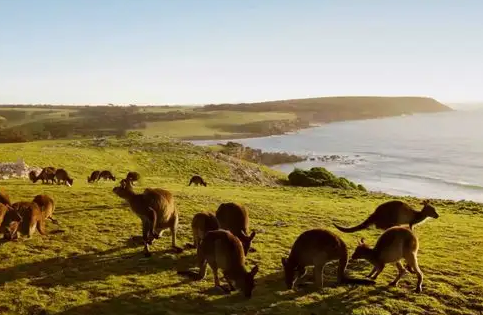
pixel 210 51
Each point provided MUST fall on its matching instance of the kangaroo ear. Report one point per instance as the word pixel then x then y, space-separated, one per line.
pixel 252 235
pixel 254 271
pixel 425 202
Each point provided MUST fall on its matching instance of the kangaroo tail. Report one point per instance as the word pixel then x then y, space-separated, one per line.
pixel 363 225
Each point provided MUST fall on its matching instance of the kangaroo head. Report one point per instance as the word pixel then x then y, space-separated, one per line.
pixel 33 176
pixel 289 272
pixel 123 190
pixel 246 240
pixel 362 250
pixel 248 282
pixel 429 210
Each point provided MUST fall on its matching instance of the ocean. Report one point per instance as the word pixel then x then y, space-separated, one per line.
pixel 424 155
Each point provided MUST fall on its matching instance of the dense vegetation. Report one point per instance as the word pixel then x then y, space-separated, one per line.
pixel 92 264
pixel 320 177
pixel 23 123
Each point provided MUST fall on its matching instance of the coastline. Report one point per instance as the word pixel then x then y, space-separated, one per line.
pixel 373 159
pixel 311 125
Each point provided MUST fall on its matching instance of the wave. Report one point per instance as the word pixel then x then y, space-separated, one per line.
pixel 460 184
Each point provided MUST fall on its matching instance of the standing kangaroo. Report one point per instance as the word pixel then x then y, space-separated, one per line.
pixel 316 248
pixel 156 209
pixel 394 213
pixel 233 217
pixel 394 244
pixel 202 223
pixel 222 250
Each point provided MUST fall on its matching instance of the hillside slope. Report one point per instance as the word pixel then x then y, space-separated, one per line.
pixel 206 122
pixel 91 264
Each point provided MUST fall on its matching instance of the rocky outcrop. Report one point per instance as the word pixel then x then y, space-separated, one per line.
pixel 18 169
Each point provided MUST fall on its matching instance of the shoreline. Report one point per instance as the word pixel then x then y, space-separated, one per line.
pixel 312 125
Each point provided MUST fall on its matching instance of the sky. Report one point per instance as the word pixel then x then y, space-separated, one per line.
pixel 230 51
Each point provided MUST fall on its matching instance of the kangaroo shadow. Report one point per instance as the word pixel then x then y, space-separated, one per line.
pixel 270 296
pixel 60 210
pixel 66 271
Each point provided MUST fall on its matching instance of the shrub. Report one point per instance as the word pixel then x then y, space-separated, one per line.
pixel 319 176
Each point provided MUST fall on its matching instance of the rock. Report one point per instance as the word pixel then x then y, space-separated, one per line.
pixel 17 169
pixel 280 223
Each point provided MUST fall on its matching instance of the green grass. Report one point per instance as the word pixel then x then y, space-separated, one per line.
pixel 213 125
pixel 90 265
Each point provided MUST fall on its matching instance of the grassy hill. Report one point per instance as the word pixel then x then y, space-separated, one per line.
pixel 90 264
pixel 25 123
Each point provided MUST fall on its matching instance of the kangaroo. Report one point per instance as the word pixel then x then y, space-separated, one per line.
pixel 32 219
pixel 222 250
pixel 156 209
pixel 94 176
pixel 316 248
pixel 202 223
pixel 47 174
pixel 233 217
pixel 9 221
pixel 132 177
pixel 106 175
pixel 394 244
pixel 394 213
pixel 5 198
pixel 197 180
pixel 63 177
pixel 47 206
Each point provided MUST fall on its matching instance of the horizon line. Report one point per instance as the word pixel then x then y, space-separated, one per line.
pixel 460 102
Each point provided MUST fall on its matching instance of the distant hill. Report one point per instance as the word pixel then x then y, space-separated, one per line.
pixel 229 121
pixel 326 109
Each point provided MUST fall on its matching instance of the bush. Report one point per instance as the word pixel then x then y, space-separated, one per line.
pixel 319 176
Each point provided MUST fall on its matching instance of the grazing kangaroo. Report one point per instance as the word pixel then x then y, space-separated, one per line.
pixel 94 176
pixel 316 248
pixel 63 177
pixel 132 177
pixel 222 250
pixel 197 180
pixel 47 174
pixel 202 223
pixel 9 221
pixel 394 244
pixel 32 218
pixel 233 217
pixel 106 175
pixel 5 198
pixel 156 209
pixel 394 213
pixel 47 206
